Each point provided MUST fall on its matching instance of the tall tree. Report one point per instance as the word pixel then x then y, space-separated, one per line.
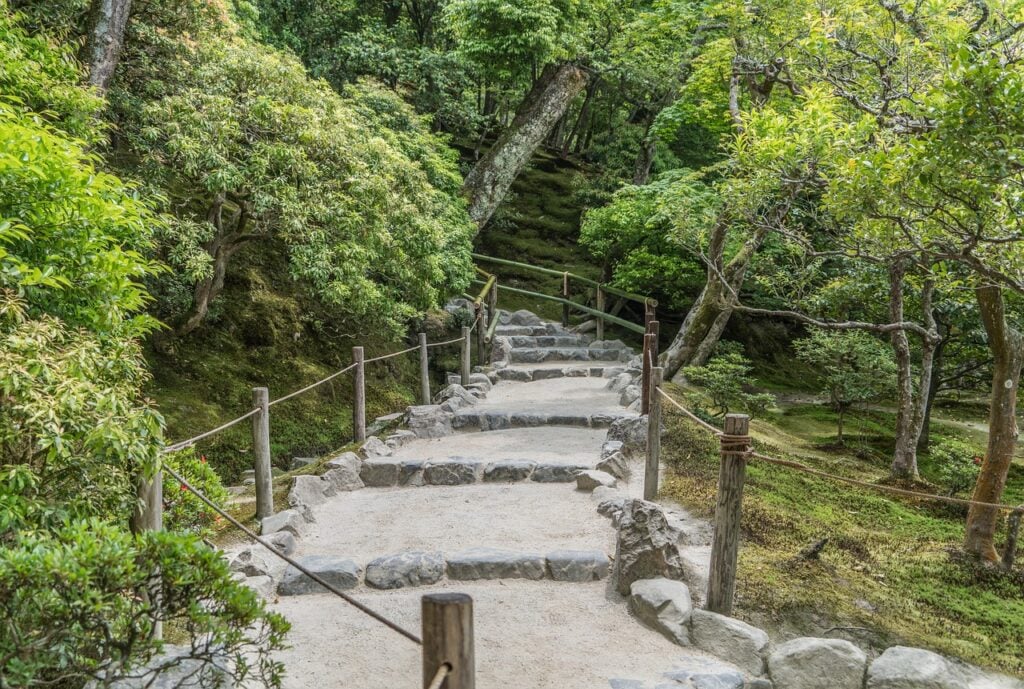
pixel 108 20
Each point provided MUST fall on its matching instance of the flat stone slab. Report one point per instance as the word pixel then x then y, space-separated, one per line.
pixel 810 663
pixel 556 473
pixel 379 473
pixel 902 667
pixel 511 470
pixel 340 572
pixel 452 472
pixel 492 563
pixel 730 639
pixel 411 568
pixel 577 565
pixel 590 479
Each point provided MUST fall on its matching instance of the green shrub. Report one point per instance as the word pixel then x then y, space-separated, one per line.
pixel 183 511
pixel 956 464
pixel 723 379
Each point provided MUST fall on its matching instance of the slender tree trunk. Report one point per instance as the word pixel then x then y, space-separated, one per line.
pixel 491 178
pixel 107 22
pixel 840 440
pixel 938 361
pixel 910 408
pixel 645 156
pixel 581 119
pixel 1007 347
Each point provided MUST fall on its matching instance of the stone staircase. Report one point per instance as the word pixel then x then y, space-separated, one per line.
pixel 576 586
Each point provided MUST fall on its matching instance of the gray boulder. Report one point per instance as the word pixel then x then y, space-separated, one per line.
pixel 482 380
pixel 610 447
pixel 646 547
pixel 808 663
pixel 374 447
pixel 299 462
pixel 509 470
pixel 455 391
pixel 523 317
pixel 901 667
pixel 399 439
pixel 343 472
pixel 340 572
pixel 411 568
pixel 263 585
pixel 410 472
pixel 251 561
pixel 730 639
pixel 616 465
pixel 630 394
pixel 306 491
pixel 282 541
pixel 664 605
pixel 577 565
pixel 631 431
pixel 428 421
pixel 175 668
pixel 285 520
pixel 492 563
pixel 592 478
pixel 451 472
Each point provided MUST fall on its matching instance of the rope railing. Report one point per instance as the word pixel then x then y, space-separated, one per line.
pixel 392 355
pixel 741 444
pixel 291 561
pixel 311 385
pixel 440 676
pixel 445 343
pixel 192 441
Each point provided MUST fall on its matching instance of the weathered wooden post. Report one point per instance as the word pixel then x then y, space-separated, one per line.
pixel 464 379
pixel 599 298
pixel 726 544
pixel 359 405
pixel 654 328
pixel 565 295
pixel 481 334
pixel 653 437
pixel 645 375
pixel 448 640
pixel 261 453
pixel 424 370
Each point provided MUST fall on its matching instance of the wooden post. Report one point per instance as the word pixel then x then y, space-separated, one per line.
pixel 726 544
pixel 654 328
pixel 600 307
pixel 645 376
pixel 653 437
pixel 261 453
pixel 565 295
pixel 448 639
pixel 492 315
pixel 424 369
pixel 465 356
pixel 359 405
pixel 481 334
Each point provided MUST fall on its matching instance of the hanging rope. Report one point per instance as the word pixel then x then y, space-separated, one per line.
pixel 312 575
pixel 191 441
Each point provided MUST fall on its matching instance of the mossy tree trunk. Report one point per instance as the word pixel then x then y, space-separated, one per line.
pixel 1007 346
pixel 545 104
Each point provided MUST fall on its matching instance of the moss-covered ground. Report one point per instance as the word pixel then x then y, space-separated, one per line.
pixel 891 570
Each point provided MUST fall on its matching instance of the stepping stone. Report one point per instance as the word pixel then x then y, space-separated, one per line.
pixel 410 472
pixel 492 563
pixel 340 572
pixel 509 470
pixel 285 520
pixel 283 541
pixel 577 565
pixel 411 568
pixel 591 478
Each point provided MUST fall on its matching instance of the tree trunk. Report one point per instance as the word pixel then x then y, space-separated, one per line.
pixel 910 409
pixel 710 313
pixel 938 360
pixel 1007 347
pixel 645 156
pixel 491 178
pixel 581 119
pixel 107 22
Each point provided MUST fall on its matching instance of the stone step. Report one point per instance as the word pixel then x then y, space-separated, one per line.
pixel 530 330
pixel 526 374
pixel 386 472
pixel 423 568
pixel 531 341
pixel 537 355
pixel 468 419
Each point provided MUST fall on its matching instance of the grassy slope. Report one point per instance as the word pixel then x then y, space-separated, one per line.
pixel 890 566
